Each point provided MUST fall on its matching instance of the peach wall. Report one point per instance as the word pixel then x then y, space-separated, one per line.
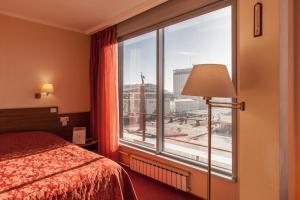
pixel 290 92
pixel 258 85
pixel 297 94
pixel 31 54
pixel 287 102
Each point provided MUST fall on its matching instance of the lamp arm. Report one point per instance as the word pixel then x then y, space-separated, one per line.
pixel 238 105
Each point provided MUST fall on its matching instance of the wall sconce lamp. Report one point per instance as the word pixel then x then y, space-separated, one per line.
pixel 46 90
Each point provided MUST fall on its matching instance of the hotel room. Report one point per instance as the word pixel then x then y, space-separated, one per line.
pixel 149 99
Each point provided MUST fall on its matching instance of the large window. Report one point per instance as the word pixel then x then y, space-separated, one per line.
pixel 172 51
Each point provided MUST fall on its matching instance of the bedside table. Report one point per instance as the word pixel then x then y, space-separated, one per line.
pixel 91 144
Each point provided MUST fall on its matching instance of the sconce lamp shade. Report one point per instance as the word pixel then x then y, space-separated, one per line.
pixel 47 88
pixel 209 80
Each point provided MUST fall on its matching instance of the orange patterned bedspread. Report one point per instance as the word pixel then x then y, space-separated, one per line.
pixel 39 165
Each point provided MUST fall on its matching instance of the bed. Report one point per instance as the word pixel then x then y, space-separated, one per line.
pixel 40 165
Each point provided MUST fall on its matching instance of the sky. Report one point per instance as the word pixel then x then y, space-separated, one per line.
pixel 200 40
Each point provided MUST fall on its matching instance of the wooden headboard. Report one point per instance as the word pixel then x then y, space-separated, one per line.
pixel 29 119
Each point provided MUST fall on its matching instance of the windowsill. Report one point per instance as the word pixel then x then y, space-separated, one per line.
pixel 197 166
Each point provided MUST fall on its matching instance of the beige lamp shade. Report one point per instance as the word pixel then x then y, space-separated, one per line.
pixel 209 80
pixel 47 88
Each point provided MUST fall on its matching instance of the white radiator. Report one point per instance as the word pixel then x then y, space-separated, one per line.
pixel 165 174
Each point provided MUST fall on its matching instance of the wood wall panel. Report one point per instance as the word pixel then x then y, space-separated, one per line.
pixel 28 119
pixel 41 119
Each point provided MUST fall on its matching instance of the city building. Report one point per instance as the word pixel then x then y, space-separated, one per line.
pixel 179 78
pixel 132 101
pixel 184 103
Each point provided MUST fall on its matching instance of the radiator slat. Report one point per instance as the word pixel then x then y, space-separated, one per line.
pixel 152 172
pixel 169 177
pixel 137 165
pixel 174 179
pixel 184 183
pixel 160 174
pixel 178 182
pixel 148 170
pixel 134 164
pixel 165 176
pixel 157 173
pixel 143 171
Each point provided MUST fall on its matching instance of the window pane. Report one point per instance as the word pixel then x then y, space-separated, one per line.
pixel 139 90
pixel 203 39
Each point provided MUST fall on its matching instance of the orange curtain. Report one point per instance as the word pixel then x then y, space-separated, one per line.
pixel 104 93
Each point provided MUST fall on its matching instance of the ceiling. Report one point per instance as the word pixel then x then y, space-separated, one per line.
pixel 84 16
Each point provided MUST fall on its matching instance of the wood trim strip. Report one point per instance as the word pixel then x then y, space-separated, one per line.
pixel 166 14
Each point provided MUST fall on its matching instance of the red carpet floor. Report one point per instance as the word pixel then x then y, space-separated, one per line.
pixel 149 189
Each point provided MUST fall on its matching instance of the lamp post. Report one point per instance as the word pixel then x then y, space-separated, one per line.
pixel 208 81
